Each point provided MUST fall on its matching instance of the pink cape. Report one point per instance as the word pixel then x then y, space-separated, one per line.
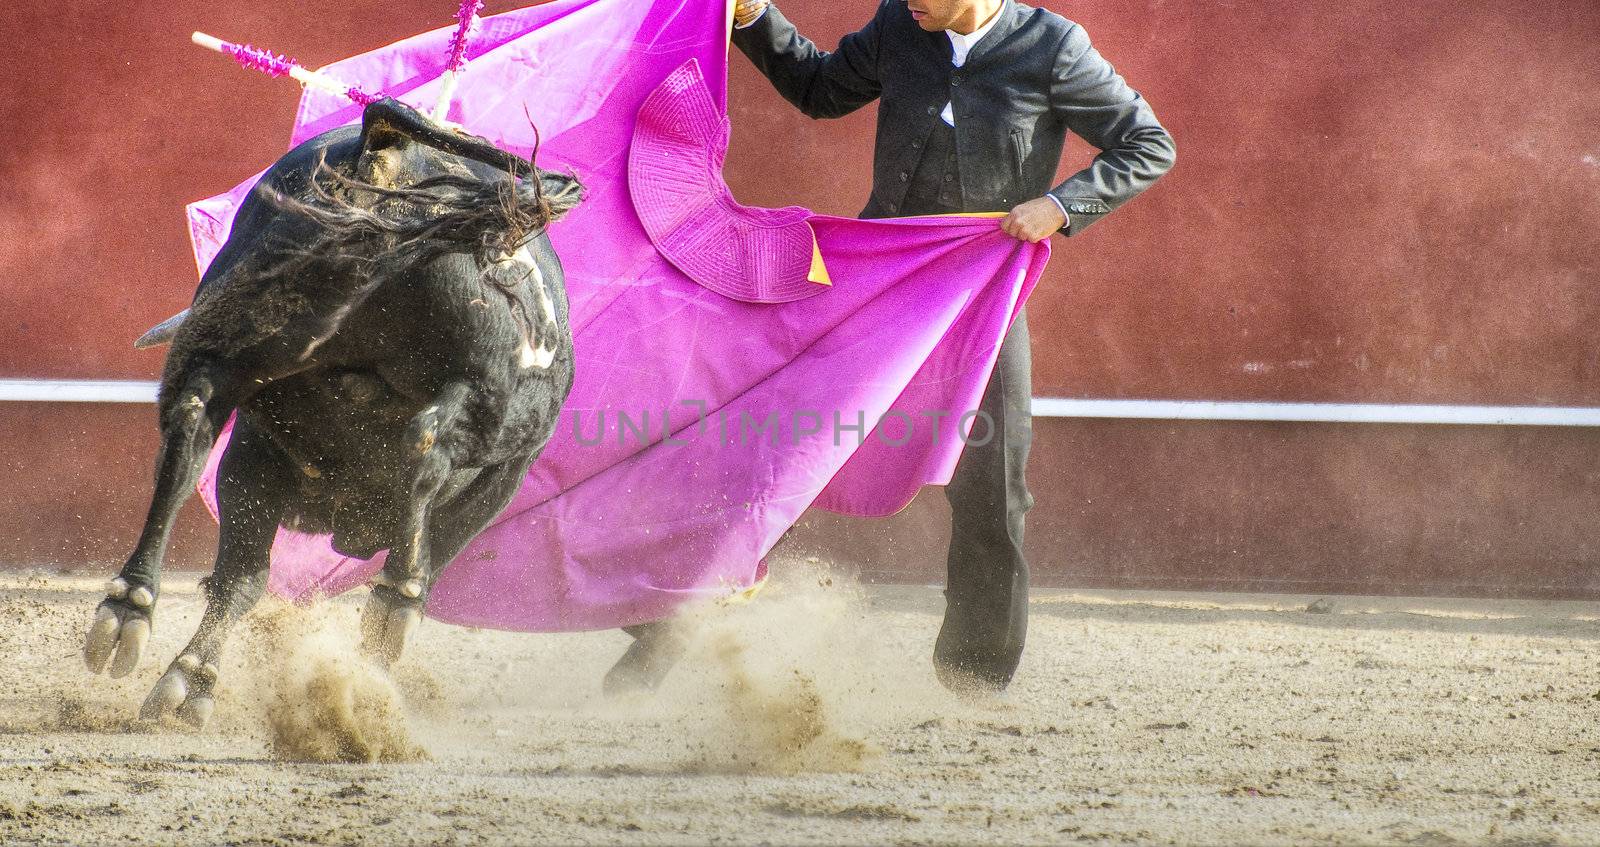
pixel 709 411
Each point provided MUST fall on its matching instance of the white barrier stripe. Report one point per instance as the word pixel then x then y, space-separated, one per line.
pixel 1380 413
pixel 135 391
pixel 77 390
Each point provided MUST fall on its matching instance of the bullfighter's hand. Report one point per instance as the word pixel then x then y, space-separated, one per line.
pixel 1034 220
pixel 745 12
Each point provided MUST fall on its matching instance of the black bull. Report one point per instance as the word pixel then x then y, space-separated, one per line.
pixel 389 322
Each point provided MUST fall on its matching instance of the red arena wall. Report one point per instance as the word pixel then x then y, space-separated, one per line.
pixel 1375 203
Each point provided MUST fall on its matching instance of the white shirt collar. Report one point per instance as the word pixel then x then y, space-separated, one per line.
pixel 961 45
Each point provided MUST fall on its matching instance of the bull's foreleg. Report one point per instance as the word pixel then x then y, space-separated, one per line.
pixel 466 515
pixel 189 422
pixel 253 488
pixel 394 609
pixel 450 527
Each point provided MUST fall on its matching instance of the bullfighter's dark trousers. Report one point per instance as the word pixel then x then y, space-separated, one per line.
pixel 986 594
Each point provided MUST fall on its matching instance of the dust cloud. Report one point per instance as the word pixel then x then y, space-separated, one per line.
pixel 320 699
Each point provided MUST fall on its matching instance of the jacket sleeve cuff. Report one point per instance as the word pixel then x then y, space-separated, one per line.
pixel 1080 212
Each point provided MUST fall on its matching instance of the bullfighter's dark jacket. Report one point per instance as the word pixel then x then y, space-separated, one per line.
pixel 1030 80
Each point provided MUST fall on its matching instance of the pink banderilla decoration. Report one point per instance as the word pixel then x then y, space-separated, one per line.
pixel 458 44
pixel 278 65
pixel 456 58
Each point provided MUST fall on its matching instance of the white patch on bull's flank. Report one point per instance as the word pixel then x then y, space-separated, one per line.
pixel 524 258
pixel 529 356
pixel 532 358
pixel 546 303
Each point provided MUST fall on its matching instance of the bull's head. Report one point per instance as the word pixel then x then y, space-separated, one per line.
pixel 426 179
pixel 417 188
pixel 400 146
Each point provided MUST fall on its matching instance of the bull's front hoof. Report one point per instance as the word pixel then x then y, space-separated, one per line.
pixel 120 630
pixel 184 691
pixel 388 619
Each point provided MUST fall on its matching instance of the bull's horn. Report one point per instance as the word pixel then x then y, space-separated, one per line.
pixel 162 332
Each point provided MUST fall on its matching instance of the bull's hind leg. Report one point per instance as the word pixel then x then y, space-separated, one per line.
pixel 398 593
pixel 190 418
pixel 253 487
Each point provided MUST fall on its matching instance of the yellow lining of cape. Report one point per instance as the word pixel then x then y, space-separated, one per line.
pixel 741 596
pixel 819 270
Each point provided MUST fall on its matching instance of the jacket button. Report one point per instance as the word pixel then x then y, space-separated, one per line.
pixel 916 145
pixel 904 176
pixel 955 80
pixel 933 110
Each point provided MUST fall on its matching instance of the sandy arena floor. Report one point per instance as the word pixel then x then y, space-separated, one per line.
pixel 811 716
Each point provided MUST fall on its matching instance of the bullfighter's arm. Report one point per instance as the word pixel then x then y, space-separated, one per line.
pixel 819 83
pixel 1099 107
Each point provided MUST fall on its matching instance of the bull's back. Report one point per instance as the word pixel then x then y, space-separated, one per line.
pixel 249 309
pixel 259 217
